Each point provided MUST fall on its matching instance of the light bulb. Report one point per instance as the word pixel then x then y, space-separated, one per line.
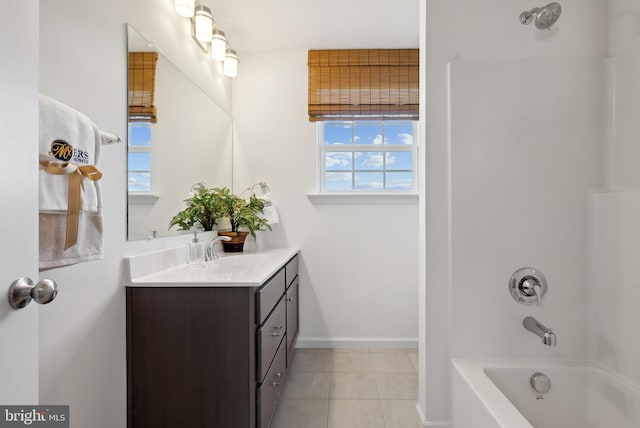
pixel 203 23
pixel 185 8
pixel 230 67
pixel 218 46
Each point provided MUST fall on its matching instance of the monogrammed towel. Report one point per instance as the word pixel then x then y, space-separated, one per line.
pixel 66 136
pixel 71 225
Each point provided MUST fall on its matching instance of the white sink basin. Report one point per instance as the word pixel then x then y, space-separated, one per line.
pixel 166 269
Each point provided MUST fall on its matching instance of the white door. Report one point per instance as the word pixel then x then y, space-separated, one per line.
pixel 18 197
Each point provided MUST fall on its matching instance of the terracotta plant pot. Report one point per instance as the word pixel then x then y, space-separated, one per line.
pixel 236 245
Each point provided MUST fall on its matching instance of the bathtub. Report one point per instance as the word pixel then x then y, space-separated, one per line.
pixel 497 394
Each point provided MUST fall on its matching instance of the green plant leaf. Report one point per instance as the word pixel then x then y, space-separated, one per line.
pixel 205 207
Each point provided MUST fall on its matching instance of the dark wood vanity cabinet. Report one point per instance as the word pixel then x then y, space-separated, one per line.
pixel 213 357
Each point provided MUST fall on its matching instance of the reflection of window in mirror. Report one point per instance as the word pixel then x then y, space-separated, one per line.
pixel 139 162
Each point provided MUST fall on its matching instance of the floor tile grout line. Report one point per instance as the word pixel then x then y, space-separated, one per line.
pixel 369 371
pixel 327 408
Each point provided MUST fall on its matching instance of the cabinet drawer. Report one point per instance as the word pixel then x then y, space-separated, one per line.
pixel 269 391
pixel 269 337
pixel 268 295
pixel 291 270
pixel 292 319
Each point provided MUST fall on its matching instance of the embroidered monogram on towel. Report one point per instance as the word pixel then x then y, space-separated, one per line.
pixel 62 150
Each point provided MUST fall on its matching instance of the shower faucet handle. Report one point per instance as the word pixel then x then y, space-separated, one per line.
pixel 527 286
pixel 531 287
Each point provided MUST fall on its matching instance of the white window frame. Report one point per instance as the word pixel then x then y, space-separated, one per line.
pixel 140 197
pixel 352 148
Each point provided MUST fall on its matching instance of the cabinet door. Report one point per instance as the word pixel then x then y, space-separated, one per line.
pixel 191 357
pixel 292 319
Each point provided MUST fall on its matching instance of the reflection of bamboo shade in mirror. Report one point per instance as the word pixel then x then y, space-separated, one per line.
pixel 141 84
pixel 363 84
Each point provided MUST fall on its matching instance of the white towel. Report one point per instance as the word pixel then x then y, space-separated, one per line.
pixel 60 124
pixel 68 136
pixel 269 211
pixel 52 236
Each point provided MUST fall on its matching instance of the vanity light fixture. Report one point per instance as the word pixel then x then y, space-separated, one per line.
pixel 203 23
pixel 210 39
pixel 218 45
pixel 185 8
pixel 231 63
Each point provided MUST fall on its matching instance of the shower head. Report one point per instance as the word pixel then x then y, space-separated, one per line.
pixel 544 16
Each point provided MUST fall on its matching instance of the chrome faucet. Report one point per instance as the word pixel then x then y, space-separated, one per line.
pixel 535 326
pixel 211 253
pixel 531 287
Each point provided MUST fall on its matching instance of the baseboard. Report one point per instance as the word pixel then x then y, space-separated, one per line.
pixel 357 342
pixel 430 424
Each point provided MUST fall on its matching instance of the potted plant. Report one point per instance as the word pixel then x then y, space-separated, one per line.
pixel 205 207
pixel 202 210
pixel 242 215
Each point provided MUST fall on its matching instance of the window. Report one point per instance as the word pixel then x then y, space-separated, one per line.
pixel 367 156
pixel 139 158
pixel 365 103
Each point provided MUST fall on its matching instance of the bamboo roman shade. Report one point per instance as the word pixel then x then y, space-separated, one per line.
pixel 350 84
pixel 142 81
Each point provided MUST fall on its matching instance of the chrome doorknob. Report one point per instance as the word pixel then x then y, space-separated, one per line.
pixel 22 292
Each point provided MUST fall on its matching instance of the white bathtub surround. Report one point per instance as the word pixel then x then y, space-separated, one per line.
pixel 615 294
pixel 472 278
pixel 520 183
pixel 497 394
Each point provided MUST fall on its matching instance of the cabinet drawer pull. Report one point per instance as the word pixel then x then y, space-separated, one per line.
pixel 278 331
pixel 289 299
pixel 274 384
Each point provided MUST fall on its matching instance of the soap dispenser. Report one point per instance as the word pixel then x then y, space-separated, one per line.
pixel 196 251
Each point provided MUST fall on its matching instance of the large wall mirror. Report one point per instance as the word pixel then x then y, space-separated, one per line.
pixel 190 140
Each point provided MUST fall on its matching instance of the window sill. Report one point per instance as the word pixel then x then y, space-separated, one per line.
pixel 364 198
pixel 142 198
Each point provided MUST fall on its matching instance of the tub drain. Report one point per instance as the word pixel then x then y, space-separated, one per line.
pixel 540 383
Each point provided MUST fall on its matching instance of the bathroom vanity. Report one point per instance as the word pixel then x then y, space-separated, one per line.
pixel 210 346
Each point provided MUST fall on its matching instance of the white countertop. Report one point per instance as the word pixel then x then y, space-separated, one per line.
pixel 167 268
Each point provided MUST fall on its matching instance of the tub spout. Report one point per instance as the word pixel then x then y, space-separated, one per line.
pixel 549 339
pixel 536 327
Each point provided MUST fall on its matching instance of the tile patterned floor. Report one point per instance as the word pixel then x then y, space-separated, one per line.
pixel 350 388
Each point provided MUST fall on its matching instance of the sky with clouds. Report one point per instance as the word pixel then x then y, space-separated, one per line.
pixel 368 170
pixel 139 136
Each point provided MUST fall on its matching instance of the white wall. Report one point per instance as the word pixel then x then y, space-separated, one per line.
pixel 83 64
pixel 359 261
pixel 615 211
pixel 469 30
pixel 521 172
